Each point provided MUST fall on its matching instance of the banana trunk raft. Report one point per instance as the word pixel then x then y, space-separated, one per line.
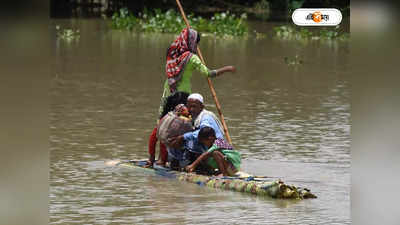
pixel 261 186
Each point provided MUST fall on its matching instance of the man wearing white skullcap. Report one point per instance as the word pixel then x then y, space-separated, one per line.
pixel 196 96
pixel 201 118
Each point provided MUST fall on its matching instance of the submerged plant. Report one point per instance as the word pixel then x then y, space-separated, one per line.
pixel 67 34
pixel 295 61
pixel 259 35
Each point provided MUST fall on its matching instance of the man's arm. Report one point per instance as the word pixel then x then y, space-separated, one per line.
pixel 201 158
pixel 193 166
pixel 207 121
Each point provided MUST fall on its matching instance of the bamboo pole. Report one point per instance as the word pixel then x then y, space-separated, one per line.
pixel 228 137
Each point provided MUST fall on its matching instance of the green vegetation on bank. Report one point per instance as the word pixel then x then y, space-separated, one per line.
pixel 221 24
pixel 293 33
pixel 226 25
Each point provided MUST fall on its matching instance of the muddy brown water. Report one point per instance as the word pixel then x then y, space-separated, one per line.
pixel 288 122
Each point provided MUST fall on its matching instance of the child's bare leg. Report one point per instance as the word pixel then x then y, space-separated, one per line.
pixel 221 162
pixel 230 168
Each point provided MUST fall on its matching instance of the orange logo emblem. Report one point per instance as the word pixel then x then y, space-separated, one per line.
pixel 317 17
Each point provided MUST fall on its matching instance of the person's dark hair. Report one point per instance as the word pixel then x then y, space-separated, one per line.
pixel 205 133
pixel 177 98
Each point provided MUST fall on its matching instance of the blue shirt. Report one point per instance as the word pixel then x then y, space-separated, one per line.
pixel 190 138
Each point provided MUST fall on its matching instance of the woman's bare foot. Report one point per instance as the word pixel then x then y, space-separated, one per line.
pixel 160 163
pixel 112 162
pixel 149 163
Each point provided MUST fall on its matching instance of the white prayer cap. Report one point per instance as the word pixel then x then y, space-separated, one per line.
pixel 196 96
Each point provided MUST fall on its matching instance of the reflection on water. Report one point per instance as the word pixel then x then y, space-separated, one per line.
pixel 289 123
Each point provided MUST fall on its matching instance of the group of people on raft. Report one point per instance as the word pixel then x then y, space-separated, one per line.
pixel 202 148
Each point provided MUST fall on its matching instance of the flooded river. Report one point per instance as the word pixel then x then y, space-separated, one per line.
pixel 291 122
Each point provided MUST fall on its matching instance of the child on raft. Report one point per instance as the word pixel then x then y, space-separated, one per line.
pixel 220 154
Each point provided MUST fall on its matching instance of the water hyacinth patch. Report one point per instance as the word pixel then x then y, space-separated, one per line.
pixel 292 33
pixel 124 20
pixel 168 22
pixel 223 24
